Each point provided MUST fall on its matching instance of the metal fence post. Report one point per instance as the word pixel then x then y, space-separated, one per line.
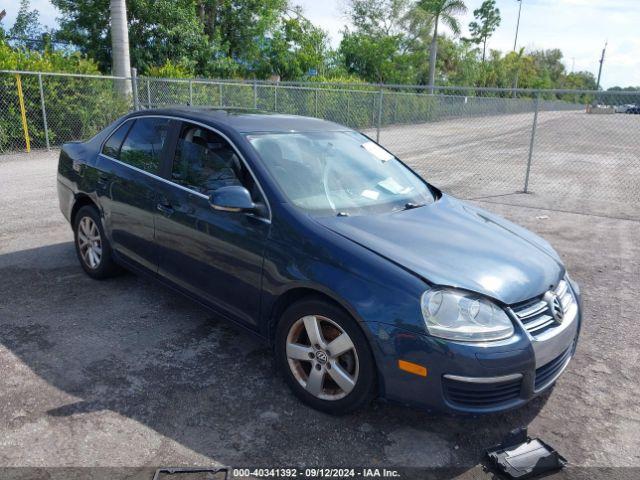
pixel 44 112
pixel 255 95
pixel 316 92
pixel 275 98
pixel 220 93
pixel 395 109
pixel 148 81
pixel 379 123
pixel 533 138
pixel 373 108
pixel 190 92
pixel 134 88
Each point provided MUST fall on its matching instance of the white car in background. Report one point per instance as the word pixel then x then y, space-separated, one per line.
pixel 624 108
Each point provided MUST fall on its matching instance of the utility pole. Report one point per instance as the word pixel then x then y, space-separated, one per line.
pixel 515 42
pixel 601 63
pixel 120 61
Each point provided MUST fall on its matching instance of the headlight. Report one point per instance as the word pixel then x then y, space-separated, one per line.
pixel 464 316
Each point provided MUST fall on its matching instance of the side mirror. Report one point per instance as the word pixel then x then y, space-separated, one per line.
pixel 234 198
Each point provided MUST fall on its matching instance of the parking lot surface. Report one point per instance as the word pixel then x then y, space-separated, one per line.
pixel 579 162
pixel 126 373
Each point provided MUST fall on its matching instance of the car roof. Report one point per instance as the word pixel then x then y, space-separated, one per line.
pixel 248 121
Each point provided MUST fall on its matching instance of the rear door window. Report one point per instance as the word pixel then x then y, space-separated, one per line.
pixel 143 145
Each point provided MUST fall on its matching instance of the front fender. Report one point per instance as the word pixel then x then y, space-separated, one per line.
pixel 372 289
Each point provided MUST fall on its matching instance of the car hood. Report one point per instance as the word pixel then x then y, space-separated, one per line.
pixel 455 244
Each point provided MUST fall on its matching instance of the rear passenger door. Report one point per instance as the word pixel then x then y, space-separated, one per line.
pixel 215 255
pixel 128 183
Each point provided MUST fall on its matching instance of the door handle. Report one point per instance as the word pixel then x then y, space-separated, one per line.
pixel 166 209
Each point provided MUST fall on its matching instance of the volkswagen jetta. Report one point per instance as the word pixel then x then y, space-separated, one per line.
pixel 367 280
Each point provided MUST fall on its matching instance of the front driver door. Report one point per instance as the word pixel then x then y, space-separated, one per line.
pixel 213 254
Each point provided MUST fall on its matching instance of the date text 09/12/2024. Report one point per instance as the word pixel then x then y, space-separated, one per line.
pixel 316 473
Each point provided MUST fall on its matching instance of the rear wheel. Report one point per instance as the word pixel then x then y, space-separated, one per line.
pixel 92 246
pixel 325 357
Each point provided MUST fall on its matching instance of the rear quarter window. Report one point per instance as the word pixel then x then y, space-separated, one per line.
pixel 112 146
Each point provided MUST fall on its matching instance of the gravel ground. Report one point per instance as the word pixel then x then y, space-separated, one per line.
pixel 124 373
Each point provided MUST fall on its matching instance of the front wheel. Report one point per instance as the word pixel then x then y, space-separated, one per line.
pixel 325 357
pixel 92 246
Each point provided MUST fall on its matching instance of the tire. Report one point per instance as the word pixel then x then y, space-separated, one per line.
pixel 334 380
pixel 89 236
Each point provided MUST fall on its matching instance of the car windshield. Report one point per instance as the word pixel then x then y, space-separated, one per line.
pixel 339 172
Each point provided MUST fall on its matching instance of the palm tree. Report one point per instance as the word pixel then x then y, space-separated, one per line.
pixel 444 11
pixel 120 62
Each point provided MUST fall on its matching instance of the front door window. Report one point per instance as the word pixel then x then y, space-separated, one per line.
pixel 205 161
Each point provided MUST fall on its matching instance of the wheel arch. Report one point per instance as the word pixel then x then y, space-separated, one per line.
pixel 296 294
pixel 81 200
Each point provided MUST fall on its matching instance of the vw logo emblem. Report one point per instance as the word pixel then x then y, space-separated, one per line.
pixel 321 356
pixel 555 307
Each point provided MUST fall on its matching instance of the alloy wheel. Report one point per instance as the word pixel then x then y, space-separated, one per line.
pixel 89 242
pixel 322 357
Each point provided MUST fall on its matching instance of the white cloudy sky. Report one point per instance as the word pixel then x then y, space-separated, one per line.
pixel 578 27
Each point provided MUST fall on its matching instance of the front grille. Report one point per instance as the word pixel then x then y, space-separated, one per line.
pixel 535 314
pixel 547 373
pixel 480 395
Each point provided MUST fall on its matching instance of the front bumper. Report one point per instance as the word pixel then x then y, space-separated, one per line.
pixel 474 378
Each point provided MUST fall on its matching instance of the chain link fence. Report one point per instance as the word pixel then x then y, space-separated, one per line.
pixel 57 108
pixel 556 149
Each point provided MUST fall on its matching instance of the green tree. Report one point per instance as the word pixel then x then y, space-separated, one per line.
pixel 616 88
pixel 457 63
pixel 208 37
pixel 235 26
pixel 550 61
pixel 295 47
pixel 515 62
pixel 437 11
pixel 27 25
pixel 378 17
pixel 376 49
pixel 487 20
pixel 376 58
pixel 169 70
pixel 159 30
pixel 582 81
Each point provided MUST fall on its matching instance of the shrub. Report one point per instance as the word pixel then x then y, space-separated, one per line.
pixel 76 108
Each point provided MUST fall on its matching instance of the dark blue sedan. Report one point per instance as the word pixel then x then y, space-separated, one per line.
pixel 367 280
